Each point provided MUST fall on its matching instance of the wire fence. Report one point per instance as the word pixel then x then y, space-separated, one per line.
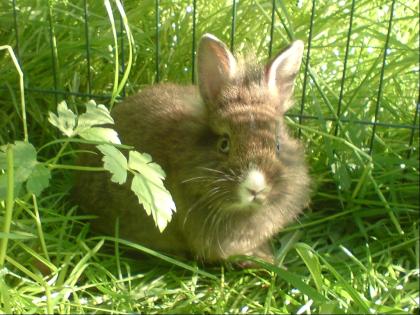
pixel 278 11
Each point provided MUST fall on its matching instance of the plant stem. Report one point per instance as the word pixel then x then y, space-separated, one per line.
pixel 21 87
pixel 76 167
pixel 114 35
pixel 130 46
pixel 63 147
pixel 4 291
pixel 9 203
pixel 39 228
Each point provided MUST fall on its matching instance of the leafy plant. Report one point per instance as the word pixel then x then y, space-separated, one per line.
pixel 359 240
pixel 32 176
pixel 147 182
pixel 27 170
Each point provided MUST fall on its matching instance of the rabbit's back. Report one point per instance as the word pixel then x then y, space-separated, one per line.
pixel 157 120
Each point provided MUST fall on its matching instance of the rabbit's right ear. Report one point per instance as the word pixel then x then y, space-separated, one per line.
pixel 282 71
pixel 216 66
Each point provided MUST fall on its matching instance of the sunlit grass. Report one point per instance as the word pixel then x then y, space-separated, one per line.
pixel 355 250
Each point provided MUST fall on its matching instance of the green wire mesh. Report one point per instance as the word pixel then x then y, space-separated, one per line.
pixel 155 48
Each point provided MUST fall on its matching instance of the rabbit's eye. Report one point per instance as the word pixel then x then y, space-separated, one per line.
pixel 224 144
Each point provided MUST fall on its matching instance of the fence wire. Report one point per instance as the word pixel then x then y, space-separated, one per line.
pixel 284 20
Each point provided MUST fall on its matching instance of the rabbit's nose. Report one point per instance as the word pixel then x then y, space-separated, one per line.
pixel 255 182
pixel 254 192
pixel 253 187
pixel 257 197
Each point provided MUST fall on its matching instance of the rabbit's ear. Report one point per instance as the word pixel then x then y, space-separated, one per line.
pixel 281 73
pixel 216 66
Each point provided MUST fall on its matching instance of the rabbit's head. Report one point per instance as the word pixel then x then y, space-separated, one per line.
pixel 252 172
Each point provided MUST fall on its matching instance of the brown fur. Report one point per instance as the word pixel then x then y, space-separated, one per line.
pixel 180 131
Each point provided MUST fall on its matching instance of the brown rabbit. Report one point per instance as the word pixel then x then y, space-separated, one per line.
pixel 235 174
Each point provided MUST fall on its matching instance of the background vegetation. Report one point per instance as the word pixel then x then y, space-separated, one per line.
pixel 356 250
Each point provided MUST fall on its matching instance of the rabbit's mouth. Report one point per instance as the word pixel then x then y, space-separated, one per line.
pixel 253 191
pixel 253 205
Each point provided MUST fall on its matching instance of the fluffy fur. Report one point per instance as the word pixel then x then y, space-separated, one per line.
pixel 181 127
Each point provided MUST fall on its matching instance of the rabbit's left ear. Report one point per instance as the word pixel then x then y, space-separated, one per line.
pixel 216 66
pixel 281 73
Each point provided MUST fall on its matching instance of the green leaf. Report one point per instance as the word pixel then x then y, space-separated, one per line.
pixel 343 176
pixel 330 307
pixel 294 279
pixel 287 241
pixel 312 262
pixel 24 155
pixel 22 174
pixel 143 193
pixel 155 198
pixel 140 157
pixel 144 165
pixel 3 187
pixel 149 188
pixel 24 161
pixel 352 293
pixel 18 235
pixel 38 180
pixel 100 134
pixel 115 162
pixel 86 122
pixel 164 206
pixel 65 121
pixel 95 115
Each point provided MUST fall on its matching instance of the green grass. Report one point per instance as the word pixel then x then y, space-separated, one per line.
pixel 355 250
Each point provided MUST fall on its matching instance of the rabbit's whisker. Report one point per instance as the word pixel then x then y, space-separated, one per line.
pixel 191 208
pixel 210 213
pixel 198 178
pixel 216 228
pixel 206 178
pixel 217 218
pixel 214 208
pixel 232 172
pixel 210 170
pixel 220 223
pixel 205 198
pixel 225 179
